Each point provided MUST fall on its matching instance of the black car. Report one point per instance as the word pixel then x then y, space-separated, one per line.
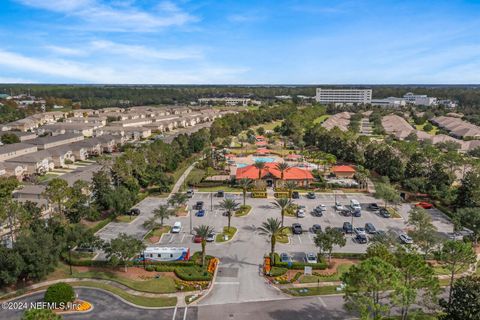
pixel 347 227
pixel 198 205
pixel 370 228
pixel 311 195
pixel 356 212
pixel 135 212
pixel 297 228
pixel 316 228
pixel 346 212
pixel 373 207
pixel 295 195
pixel 317 212
pixel 384 213
pixel 361 238
pixel 220 193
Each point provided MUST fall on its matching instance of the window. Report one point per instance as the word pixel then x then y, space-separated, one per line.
pixel 171 255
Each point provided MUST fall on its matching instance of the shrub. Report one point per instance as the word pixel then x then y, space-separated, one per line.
pixel 60 293
pixel 40 314
pixel 195 273
pixel 295 278
pixel 162 268
pixel 276 271
pixel 150 268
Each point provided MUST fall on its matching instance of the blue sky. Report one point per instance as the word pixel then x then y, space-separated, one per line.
pixel 240 41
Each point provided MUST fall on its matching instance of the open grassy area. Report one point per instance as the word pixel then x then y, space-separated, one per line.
pixel 157 232
pixel 243 211
pixel 321 119
pixel 311 291
pixel 97 225
pixel 160 285
pixel 335 277
pixel 268 126
pixel 284 237
pixel 420 127
pixel 138 300
pixel 229 232
pixel 125 218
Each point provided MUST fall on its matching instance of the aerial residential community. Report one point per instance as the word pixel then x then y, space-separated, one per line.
pixel 239 160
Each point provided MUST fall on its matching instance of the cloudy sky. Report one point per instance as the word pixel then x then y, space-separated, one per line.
pixel 240 41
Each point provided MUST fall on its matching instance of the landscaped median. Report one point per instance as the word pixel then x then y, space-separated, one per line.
pixel 243 211
pixel 229 232
pixel 154 235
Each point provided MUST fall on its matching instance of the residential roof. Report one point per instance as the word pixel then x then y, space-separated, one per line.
pixel 263 150
pixel 344 169
pixel 292 173
pixel 31 157
pixel 52 139
pixel 15 147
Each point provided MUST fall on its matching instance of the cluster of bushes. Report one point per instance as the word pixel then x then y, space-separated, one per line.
pixel 257 194
pixel 281 194
pixel 59 293
pixel 322 265
pixel 278 271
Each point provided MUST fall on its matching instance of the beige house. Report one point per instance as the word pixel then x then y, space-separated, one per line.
pixel 16 170
pixel 131 122
pixel 61 154
pixel 86 129
pixel 14 150
pixel 21 125
pixel 39 162
pixel 55 141
pixel 80 152
pixel 93 146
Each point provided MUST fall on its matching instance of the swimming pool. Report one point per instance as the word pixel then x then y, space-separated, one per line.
pixel 263 159
pixel 241 165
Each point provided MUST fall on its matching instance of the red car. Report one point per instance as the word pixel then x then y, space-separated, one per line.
pixel 424 205
pixel 197 239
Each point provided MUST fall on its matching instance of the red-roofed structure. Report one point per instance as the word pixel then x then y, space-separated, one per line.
pixel 260 138
pixel 271 174
pixel 343 171
pixel 261 143
pixel 293 157
pixel 262 151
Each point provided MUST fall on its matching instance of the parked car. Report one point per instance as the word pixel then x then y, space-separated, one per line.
pixel 177 227
pixel 300 213
pixel 317 212
pixel 311 195
pixel 297 228
pixel 295 195
pixel 347 227
pixel 406 239
pixel 356 212
pixel 384 213
pixel 339 207
pixel 321 207
pixel 284 257
pixel 200 213
pixel 373 207
pixel 220 193
pixel 361 238
pixel 359 230
pixel 210 237
pixel 190 193
pixel 135 212
pixel 370 228
pixel 198 205
pixel 355 204
pixel 316 228
pixel 424 205
pixel 197 239
pixel 310 257
pixel 346 212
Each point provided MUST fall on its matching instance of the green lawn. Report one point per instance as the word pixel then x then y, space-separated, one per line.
pixel 219 188
pixel 433 131
pixel 158 232
pixel 160 285
pixel 311 291
pixel 335 277
pixel 230 232
pixel 125 218
pixel 138 300
pixel 243 211
pixel 284 237
pixel 321 119
pixel 393 213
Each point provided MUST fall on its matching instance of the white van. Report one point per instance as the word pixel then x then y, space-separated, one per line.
pixel 177 227
pixel 355 204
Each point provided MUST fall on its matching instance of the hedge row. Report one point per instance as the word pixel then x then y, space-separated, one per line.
pixel 299 265
pixel 281 194
pixel 259 194
pixel 344 255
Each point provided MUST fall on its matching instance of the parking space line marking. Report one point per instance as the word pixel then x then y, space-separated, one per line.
pixel 174 313
pixel 322 302
pixel 185 313
pixel 226 282
pixel 171 238
pixel 299 239
pixel 183 237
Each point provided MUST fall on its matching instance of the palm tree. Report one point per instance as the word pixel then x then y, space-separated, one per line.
pixel 260 165
pixel 282 167
pixel 229 205
pixel 290 185
pixel 272 228
pixel 283 204
pixel 244 184
pixel 162 212
pixel 178 199
pixel 203 231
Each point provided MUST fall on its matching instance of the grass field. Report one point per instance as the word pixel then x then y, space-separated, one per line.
pixel 321 119
pixel 125 218
pixel 284 237
pixel 335 277
pixel 433 131
pixel 160 285
pixel 229 232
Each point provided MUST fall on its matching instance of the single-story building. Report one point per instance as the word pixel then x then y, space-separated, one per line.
pixel 343 171
pixel 271 175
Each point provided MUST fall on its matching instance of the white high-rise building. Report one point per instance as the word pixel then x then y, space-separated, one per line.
pixel 349 96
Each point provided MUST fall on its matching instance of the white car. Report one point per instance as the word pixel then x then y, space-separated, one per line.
pixel 406 239
pixel 310 257
pixel 339 207
pixel 177 227
pixel 322 207
pixel 359 231
pixel 301 213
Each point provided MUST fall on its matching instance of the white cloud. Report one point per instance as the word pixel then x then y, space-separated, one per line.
pixel 122 73
pixel 64 51
pixel 122 18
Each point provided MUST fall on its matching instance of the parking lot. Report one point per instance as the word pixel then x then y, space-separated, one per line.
pixel 298 243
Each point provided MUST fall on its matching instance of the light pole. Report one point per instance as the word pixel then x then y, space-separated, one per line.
pixel 144 261
pixel 70 258
pixel 190 214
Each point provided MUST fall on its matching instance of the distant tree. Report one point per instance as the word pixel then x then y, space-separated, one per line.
pixel 290 186
pixel 102 187
pixel 283 204
pixel 427 127
pixel 424 233
pixel 11 266
pixel 367 284
pixel 387 193
pixel 244 184
pixel 465 300
pixel 456 256
pixel 273 229
pixel 282 167
pixel 121 200
pixel 122 248
pixel 469 218
pixel 468 194
pixel 261 131
pixel 203 231
pixel 229 206
pixel 325 241
pixel 57 192
pixel 380 250
pixel 178 199
pixel 9 138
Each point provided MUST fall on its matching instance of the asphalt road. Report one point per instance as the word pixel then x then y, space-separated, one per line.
pixel 107 306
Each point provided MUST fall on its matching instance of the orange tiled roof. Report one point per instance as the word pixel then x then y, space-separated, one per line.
pixel 343 169
pixel 293 173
